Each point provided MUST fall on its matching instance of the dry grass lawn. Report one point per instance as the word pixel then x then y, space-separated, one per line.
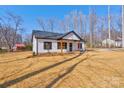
pixel 98 68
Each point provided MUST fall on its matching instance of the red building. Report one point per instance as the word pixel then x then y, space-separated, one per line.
pixel 18 46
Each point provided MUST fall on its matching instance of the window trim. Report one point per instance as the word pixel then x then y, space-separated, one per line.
pixel 47 48
pixel 64 45
pixel 80 46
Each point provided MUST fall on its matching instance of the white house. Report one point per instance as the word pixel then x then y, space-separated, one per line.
pixel 118 43
pixel 106 42
pixel 44 42
pixel 113 43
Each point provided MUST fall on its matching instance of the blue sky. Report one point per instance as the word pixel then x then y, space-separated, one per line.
pixel 30 13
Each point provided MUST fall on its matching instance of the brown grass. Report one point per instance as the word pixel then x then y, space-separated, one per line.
pixel 91 69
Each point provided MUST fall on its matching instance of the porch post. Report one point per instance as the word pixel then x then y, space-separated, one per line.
pixel 61 47
pixel 68 46
pixel 37 46
pixel 79 45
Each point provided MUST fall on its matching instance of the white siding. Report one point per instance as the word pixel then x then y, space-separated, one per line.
pixel 108 41
pixel 41 45
pixel 83 45
pixel 118 43
pixel 71 36
pixel 54 46
pixel 75 45
pixel 34 44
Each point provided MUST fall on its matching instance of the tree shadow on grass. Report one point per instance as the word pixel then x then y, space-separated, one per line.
pixel 19 79
pixel 111 68
pixel 95 71
pixel 17 71
pixel 14 60
pixel 69 70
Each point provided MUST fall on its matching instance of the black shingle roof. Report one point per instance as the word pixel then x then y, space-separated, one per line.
pixel 46 34
pixel 51 35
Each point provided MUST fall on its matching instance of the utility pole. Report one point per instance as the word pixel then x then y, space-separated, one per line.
pixel 91 32
pixel 109 32
pixel 122 26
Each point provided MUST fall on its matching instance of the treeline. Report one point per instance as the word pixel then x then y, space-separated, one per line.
pixel 10 28
pixel 12 32
pixel 92 28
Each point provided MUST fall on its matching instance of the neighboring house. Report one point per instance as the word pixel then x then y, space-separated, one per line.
pixel 118 43
pixel 106 42
pixel 18 46
pixel 44 42
pixel 113 43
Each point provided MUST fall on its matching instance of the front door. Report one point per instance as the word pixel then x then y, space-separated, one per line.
pixel 70 46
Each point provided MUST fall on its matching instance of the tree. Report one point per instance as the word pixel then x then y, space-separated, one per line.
pixel 51 24
pixel 47 24
pixel 27 39
pixel 67 23
pixel 75 21
pixel 101 28
pixel 92 24
pixel 81 24
pixel 41 23
pixel 10 27
pixel 64 24
pixel 109 28
pixel 122 26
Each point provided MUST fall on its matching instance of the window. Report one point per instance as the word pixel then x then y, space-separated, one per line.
pixel 64 45
pixel 47 45
pixel 79 45
pixel 59 45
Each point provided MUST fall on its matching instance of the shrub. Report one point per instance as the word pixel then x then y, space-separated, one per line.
pixel 28 47
pixel 3 50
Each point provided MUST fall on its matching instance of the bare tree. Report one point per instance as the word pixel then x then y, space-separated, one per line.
pixel 109 27
pixel 17 22
pixel 41 23
pixel 62 25
pixel 27 39
pixel 10 27
pixel 51 24
pixel 85 26
pixel 92 23
pixel 74 20
pixel 81 24
pixel 101 28
pixel 48 24
pixel 123 26
pixel 67 23
pixel 0 32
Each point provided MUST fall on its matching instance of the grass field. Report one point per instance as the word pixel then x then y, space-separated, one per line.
pixel 97 68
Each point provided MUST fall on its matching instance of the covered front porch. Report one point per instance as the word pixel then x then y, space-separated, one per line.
pixel 70 45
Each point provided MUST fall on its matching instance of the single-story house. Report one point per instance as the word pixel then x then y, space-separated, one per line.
pixel 113 43
pixel 44 42
pixel 106 42
pixel 118 43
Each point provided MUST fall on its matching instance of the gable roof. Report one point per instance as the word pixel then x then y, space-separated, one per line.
pixel 73 33
pixel 118 40
pixel 52 35
pixel 46 34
